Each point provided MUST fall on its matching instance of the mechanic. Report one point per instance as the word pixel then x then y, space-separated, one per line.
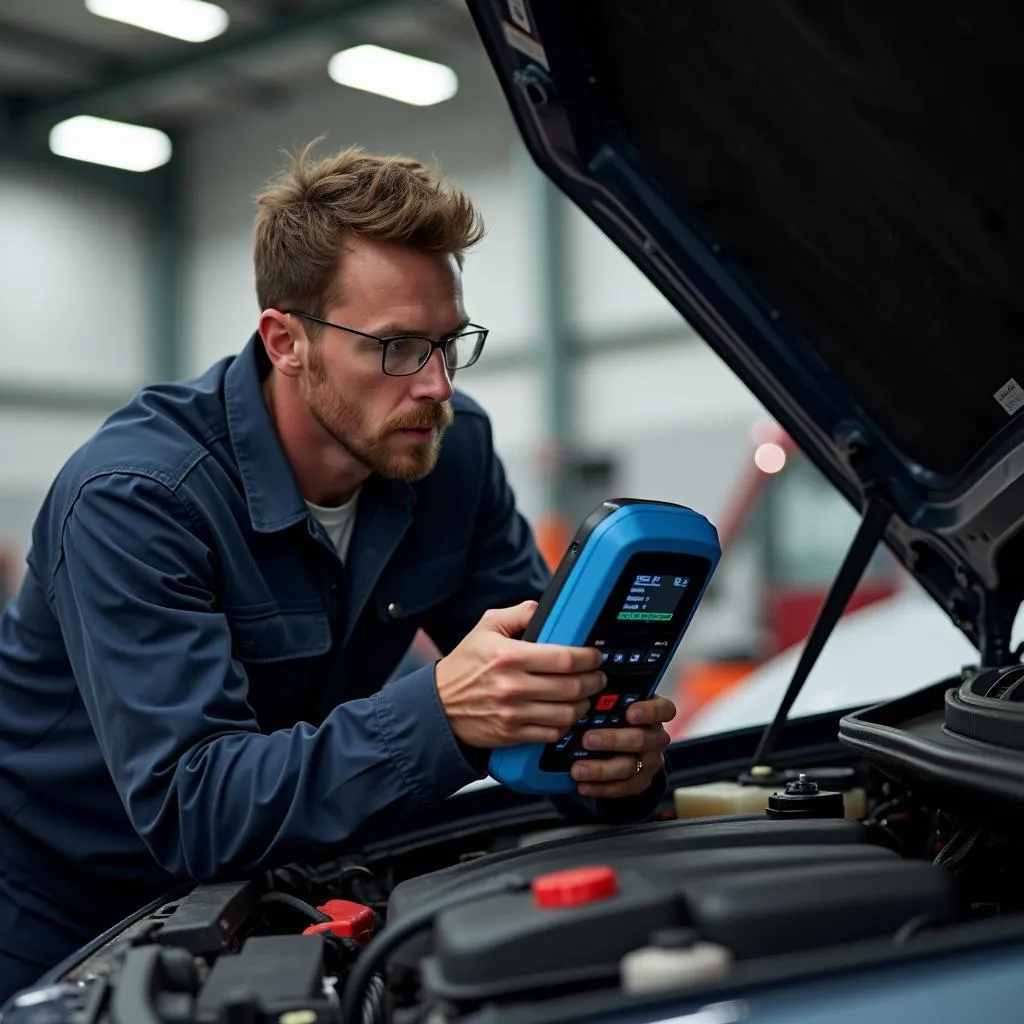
pixel 223 578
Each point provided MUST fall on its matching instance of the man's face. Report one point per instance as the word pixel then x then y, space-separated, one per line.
pixel 393 425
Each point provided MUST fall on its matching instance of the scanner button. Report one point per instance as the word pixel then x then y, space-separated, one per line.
pixel 606 701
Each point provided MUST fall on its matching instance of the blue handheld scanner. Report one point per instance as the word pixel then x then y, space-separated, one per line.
pixel 629 585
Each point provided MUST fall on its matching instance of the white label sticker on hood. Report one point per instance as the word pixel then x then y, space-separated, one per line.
pixel 1010 396
pixel 517 12
pixel 525 44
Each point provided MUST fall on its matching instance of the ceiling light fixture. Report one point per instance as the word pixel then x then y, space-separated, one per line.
pixel 194 21
pixel 399 76
pixel 130 147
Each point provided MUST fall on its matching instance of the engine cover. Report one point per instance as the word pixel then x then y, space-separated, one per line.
pixel 755 886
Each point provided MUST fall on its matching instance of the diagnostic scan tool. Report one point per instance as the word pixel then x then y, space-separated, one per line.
pixel 628 585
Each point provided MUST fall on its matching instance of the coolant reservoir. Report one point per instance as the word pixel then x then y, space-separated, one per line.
pixel 719 798
pixel 751 795
pixel 675 957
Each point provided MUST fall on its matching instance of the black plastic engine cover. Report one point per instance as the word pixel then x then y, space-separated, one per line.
pixel 508 946
pixel 787 910
pixel 625 846
pixel 756 885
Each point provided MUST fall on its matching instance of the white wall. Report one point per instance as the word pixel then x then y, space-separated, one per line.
pixel 607 293
pixel 35 444
pixel 76 301
pixel 75 285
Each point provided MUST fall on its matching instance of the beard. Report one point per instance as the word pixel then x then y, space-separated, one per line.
pixel 387 452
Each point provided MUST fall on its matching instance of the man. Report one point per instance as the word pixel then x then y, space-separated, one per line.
pixel 225 575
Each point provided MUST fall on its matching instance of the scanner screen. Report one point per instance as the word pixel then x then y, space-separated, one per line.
pixel 636 631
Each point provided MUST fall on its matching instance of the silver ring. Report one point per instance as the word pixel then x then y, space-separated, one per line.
pixel 639 767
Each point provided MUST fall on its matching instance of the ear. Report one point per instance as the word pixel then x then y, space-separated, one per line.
pixel 283 338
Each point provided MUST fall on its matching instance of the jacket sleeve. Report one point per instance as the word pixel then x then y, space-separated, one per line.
pixel 134 591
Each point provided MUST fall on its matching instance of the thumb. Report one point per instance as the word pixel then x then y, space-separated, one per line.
pixel 509 621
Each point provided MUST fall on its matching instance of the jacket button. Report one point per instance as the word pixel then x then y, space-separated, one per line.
pixel 395 610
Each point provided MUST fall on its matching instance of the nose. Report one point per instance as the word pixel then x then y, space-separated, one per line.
pixel 433 382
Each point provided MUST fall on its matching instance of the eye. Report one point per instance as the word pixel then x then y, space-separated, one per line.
pixel 403 346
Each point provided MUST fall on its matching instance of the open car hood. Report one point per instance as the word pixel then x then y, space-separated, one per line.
pixel 834 200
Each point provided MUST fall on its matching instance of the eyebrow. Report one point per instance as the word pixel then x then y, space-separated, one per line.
pixel 393 330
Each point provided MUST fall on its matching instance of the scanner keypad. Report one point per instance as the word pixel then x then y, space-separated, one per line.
pixel 631 674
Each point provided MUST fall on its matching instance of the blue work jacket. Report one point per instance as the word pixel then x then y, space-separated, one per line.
pixel 191 682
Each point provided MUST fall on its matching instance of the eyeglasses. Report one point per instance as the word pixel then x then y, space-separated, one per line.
pixel 408 354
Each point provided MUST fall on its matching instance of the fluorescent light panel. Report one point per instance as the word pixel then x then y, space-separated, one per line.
pixel 130 147
pixel 194 21
pixel 399 76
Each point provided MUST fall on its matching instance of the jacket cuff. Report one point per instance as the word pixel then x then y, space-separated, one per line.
pixel 419 738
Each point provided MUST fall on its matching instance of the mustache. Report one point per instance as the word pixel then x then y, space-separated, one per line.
pixel 437 417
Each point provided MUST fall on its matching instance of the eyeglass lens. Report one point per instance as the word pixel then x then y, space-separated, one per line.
pixel 407 355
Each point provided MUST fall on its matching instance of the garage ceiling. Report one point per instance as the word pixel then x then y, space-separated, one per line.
pixel 57 59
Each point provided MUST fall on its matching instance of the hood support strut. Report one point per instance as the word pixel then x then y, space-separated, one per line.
pixel 869 534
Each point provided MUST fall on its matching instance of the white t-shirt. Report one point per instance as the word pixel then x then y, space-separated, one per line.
pixel 337 522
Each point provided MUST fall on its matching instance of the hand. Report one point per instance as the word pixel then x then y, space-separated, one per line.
pixel 618 776
pixel 499 692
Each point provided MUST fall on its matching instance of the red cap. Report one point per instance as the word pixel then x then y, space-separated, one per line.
pixel 349 920
pixel 574 887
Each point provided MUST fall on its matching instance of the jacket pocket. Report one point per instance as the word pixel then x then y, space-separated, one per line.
pixel 412 590
pixel 267 636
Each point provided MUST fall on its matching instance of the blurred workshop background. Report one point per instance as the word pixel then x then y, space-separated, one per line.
pixel 133 136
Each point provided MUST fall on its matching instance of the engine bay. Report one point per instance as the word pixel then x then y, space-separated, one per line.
pixel 510 914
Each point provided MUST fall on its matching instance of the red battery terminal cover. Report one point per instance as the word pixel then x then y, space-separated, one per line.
pixel 347 920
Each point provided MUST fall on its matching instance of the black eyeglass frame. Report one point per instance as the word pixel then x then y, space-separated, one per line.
pixel 385 343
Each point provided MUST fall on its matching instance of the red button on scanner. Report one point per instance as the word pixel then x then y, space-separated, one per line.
pixel 575 887
pixel 606 702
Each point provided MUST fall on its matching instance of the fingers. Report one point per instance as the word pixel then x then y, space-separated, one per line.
pixel 656 711
pixel 618 776
pixel 545 713
pixel 627 740
pixel 556 688
pixel 535 734
pixel 509 621
pixel 554 659
pixel 534 721
pixel 614 769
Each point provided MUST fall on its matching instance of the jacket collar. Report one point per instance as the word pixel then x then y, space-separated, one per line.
pixel 271 490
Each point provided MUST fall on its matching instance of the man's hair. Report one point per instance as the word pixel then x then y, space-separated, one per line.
pixel 307 212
